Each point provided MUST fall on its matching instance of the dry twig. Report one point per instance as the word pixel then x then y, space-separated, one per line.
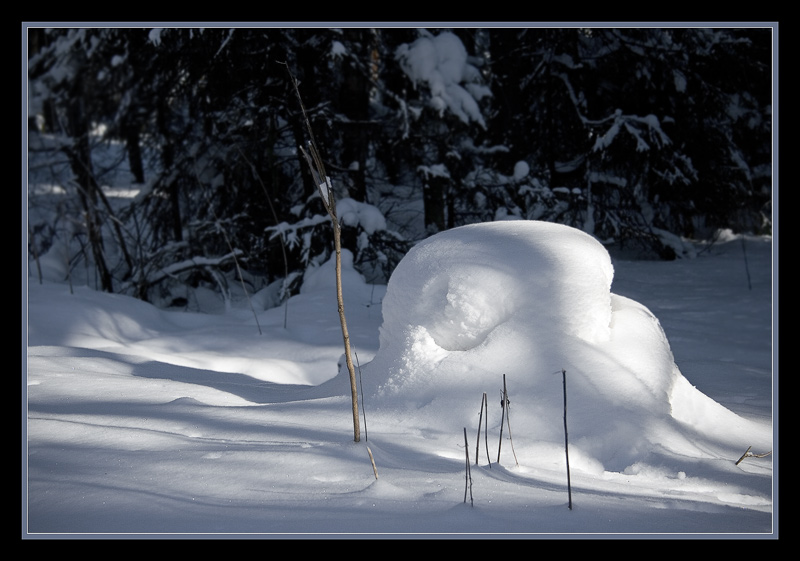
pixel 747 454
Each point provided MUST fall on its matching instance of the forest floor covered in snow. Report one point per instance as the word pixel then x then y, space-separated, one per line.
pixel 149 422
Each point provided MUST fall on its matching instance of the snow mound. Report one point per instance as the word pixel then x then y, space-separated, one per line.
pixel 531 301
pixel 462 284
pixel 322 278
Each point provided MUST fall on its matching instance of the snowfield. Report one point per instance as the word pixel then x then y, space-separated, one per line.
pixel 164 422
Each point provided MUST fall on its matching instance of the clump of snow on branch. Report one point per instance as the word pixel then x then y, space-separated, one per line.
pixel 441 63
pixel 355 213
pixel 435 170
pixel 338 50
pixel 641 128
pixel 521 170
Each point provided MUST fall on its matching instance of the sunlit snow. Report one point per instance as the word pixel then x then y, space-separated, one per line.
pixel 152 421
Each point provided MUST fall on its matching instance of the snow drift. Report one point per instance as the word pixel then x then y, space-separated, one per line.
pixel 148 420
pixel 529 300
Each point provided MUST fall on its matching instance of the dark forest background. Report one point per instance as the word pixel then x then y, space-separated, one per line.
pixel 640 137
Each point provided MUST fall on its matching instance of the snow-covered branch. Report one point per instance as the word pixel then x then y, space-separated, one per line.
pixel 189 264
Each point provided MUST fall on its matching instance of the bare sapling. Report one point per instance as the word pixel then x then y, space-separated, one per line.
pixel 746 265
pixel 508 420
pixel 484 407
pixel 240 273
pixel 32 246
pixel 468 482
pixel 317 168
pixel 505 403
pixel 363 407
pixel 748 454
pixel 503 400
pixel 372 460
pixel 566 438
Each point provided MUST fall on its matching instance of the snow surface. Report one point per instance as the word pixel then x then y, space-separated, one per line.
pixel 148 421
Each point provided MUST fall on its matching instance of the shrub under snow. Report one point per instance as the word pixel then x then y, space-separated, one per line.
pixel 528 299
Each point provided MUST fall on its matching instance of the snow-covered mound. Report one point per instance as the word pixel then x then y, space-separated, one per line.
pixel 460 285
pixel 529 300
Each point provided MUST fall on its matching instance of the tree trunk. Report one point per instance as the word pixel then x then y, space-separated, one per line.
pixel 433 195
pixel 80 158
pixel 134 153
pixel 354 104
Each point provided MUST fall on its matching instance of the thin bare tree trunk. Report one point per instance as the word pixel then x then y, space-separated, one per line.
pixel 323 182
